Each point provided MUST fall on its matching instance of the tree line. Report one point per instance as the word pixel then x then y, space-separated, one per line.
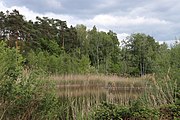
pixel 49 44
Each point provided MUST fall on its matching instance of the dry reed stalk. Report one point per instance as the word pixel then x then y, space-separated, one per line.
pixel 97 80
pixel 92 77
pixel 161 92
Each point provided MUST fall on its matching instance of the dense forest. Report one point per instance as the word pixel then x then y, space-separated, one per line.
pixel 50 46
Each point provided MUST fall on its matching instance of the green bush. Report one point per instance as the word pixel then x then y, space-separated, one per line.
pixel 58 64
pixel 10 61
pixel 28 98
pixel 137 111
pixel 142 112
pixel 24 95
pixel 107 111
pixel 171 110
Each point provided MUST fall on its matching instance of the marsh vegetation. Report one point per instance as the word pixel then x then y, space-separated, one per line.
pixel 51 71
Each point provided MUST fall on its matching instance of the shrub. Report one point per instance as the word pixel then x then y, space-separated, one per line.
pixel 24 96
pixel 171 111
pixel 107 111
pixel 142 112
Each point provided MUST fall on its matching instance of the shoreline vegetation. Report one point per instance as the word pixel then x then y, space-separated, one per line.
pixel 51 71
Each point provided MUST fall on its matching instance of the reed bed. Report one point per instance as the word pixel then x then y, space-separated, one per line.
pixel 115 89
pixel 98 80
pixel 160 92
pixel 85 92
pixel 81 93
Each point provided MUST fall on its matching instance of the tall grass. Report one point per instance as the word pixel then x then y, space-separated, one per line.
pixel 98 80
pixel 160 92
pixel 82 93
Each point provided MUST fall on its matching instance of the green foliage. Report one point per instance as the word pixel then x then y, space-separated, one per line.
pixel 140 53
pixel 23 96
pixel 51 46
pixel 175 63
pixel 51 42
pixel 162 61
pixel 107 111
pixel 11 62
pixel 171 110
pixel 104 51
pixel 142 111
pixel 29 98
pixel 82 38
pixel 58 64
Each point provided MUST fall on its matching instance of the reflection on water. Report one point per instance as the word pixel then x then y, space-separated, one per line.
pixel 99 93
pixel 79 94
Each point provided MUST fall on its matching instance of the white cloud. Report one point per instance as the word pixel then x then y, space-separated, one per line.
pixel 53 3
pixel 110 20
pixel 122 36
pixel 107 3
pixel 2 7
pixel 138 11
pixel 31 15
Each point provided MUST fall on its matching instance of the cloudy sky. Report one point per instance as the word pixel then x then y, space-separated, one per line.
pixel 158 18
